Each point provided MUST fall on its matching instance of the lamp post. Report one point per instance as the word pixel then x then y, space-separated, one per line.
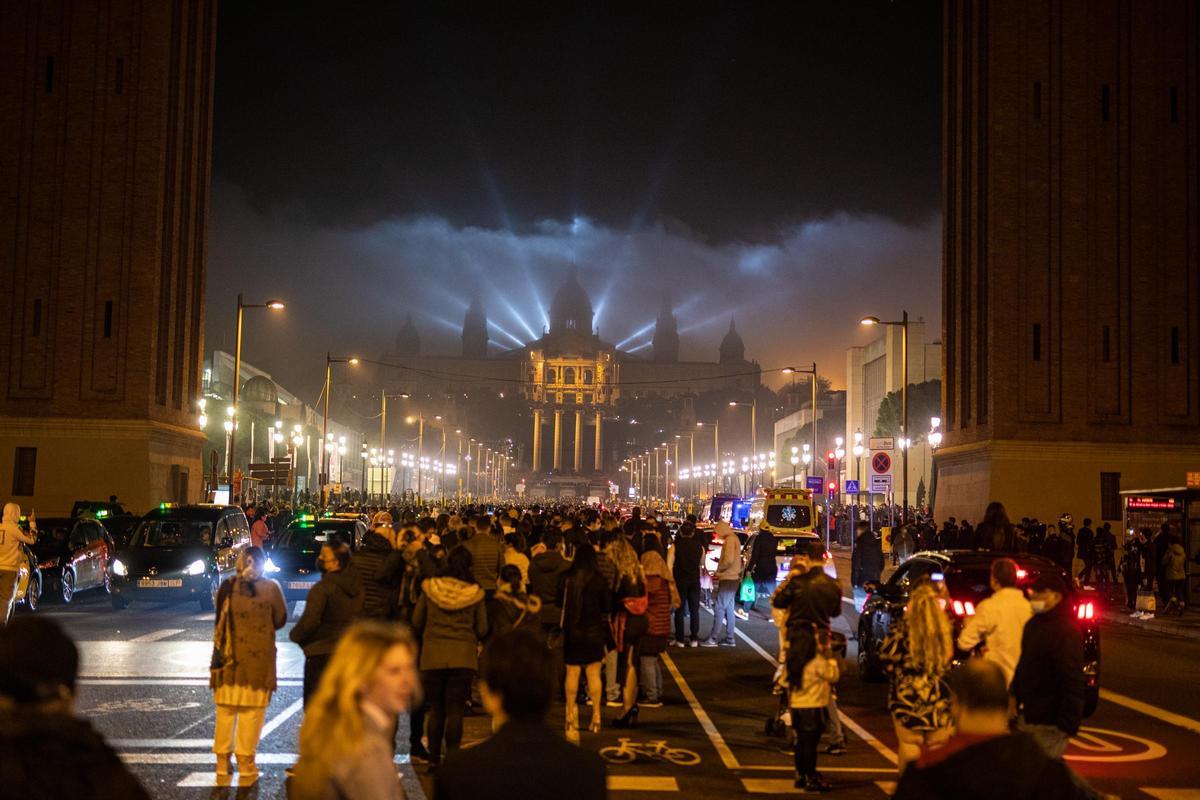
pixel 325 452
pixel 795 460
pixel 237 374
pixel 858 453
pixel 420 420
pixel 813 372
pixel 903 325
pixel 839 452
pixel 806 457
pixel 753 429
pixel 716 426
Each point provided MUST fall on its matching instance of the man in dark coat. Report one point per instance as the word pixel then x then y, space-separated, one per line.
pixel 1049 684
pixel 982 760
pixel 1085 542
pixel 686 564
pixel 379 566
pixel 811 599
pixel 762 565
pixel 867 562
pixel 524 759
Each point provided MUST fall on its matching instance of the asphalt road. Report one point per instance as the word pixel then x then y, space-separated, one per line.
pixel 144 685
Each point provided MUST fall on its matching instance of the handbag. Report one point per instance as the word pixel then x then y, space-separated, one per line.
pixel 746 592
pixel 1146 601
pixel 636 606
pixel 224 631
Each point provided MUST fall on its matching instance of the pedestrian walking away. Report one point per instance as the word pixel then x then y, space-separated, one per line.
pixel 12 553
pixel 332 604
pixel 728 581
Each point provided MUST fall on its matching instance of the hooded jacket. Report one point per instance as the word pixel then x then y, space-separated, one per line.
pixel 11 539
pixel 451 618
pixel 729 568
pixel 546 571
pixel 512 611
pixel 1049 683
pixel 1006 767
pixel 331 606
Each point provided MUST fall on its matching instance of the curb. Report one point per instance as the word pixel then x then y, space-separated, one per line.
pixel 1173 628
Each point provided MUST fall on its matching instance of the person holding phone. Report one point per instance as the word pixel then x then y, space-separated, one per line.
pixel 12 541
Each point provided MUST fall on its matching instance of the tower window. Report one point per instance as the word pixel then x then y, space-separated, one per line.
pixel 1104 102
pixel 571 324
pixel 49 74
pixel 1106 344
pixel 108 316
pixel 24 471
pixel 1175 345
pixel 37 317
pixel 1037 341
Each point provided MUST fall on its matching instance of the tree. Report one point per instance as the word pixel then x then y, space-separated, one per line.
pixel 924 402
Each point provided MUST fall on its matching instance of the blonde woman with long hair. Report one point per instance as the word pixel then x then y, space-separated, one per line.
pixel 629 621
pixel 918 651
pixel 347 739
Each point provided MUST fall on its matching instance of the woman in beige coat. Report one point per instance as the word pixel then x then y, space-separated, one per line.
pixel 250 608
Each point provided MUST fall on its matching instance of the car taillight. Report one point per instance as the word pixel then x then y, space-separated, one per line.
pixel 964 609
pixel 827 555
pixel 1021 573
pixel 1086 611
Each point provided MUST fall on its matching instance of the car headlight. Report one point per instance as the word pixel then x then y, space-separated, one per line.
pixel 270 566
pixel 197 567
pixel 119 569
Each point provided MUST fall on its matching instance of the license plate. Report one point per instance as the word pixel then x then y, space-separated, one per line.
pixel 160 583
pixel 299 585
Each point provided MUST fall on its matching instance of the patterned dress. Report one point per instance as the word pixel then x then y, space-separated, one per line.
pixel 918 699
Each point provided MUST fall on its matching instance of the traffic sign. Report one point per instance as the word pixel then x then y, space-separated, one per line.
pixel 881 462
pixel 881 484
pixel 851 487
pixel 882 443
pixel 815 484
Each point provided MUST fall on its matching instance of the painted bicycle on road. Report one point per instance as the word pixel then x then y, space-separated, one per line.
pixel 626 752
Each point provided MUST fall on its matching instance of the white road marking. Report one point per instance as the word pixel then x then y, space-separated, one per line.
pixel 275 759
pixel 706 723
pixel 1161 714
pixel 641 783
pixel 1172 794
pixel 1096 740
pixel 209 616
pixel 859 730
pixel 162 682
pixel 156 635
pixel 281 718
pixel 161 743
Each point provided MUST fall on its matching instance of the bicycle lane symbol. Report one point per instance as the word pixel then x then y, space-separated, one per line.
pixel 1102 745
pixel 627 751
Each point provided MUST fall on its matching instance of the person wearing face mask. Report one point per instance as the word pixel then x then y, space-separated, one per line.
pixel 347 739
pixel 999 621
pixel 332 604
pixel 1049 683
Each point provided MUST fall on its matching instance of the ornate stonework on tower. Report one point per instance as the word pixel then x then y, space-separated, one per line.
pixel 733 350
pixel 666 336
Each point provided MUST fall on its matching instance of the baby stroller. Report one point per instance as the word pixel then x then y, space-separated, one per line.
pixel 779 724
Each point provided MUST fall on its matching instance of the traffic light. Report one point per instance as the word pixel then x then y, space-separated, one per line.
pixel 831 487
pixel 831 461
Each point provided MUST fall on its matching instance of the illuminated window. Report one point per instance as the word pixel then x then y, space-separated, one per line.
pixel 569 376
pixel 587 377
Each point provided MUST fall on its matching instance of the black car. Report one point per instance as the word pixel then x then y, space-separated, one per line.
pixel 967 574
pixel 180 553
pixel 74 555
pixel 292 556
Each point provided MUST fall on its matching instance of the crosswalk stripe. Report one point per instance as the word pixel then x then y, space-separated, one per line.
pixel 177 744
pixel 275 759
pixel 641 783
pixel 156 635
pixel 163 682
pixel 281 718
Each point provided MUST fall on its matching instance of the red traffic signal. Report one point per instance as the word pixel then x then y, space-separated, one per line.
pixel 831 460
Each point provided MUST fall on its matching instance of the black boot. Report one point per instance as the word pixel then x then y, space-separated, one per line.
pixel 628 720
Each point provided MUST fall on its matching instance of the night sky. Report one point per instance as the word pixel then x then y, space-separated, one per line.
pixel 778 163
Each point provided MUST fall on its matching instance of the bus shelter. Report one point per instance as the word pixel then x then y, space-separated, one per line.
pixel 1178 508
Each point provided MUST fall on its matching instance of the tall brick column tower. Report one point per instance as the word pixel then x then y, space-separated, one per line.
pixel 105 140
pixel 1071 259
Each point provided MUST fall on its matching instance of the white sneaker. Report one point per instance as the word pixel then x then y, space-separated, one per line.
pixel 741 614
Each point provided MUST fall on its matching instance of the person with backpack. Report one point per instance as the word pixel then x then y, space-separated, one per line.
pixel 513 608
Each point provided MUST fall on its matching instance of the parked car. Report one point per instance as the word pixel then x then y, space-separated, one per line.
pixel 292 556
pixel 180 552
pixel 74 556
pixel 966 575
pixel 29 581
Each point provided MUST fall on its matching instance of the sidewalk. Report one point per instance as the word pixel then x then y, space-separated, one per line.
pixel 1187 626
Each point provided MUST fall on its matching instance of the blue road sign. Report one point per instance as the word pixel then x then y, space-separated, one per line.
pixel 816 484
pixel 851 487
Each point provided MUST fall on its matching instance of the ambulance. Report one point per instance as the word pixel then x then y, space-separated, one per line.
pixel 790 514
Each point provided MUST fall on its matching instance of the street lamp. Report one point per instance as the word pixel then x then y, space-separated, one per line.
pixel 813 372
pixel 325 453
pixel 903 325
pixel 753 425
pixel 275 305
pixel 794 459
pixel 716 426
